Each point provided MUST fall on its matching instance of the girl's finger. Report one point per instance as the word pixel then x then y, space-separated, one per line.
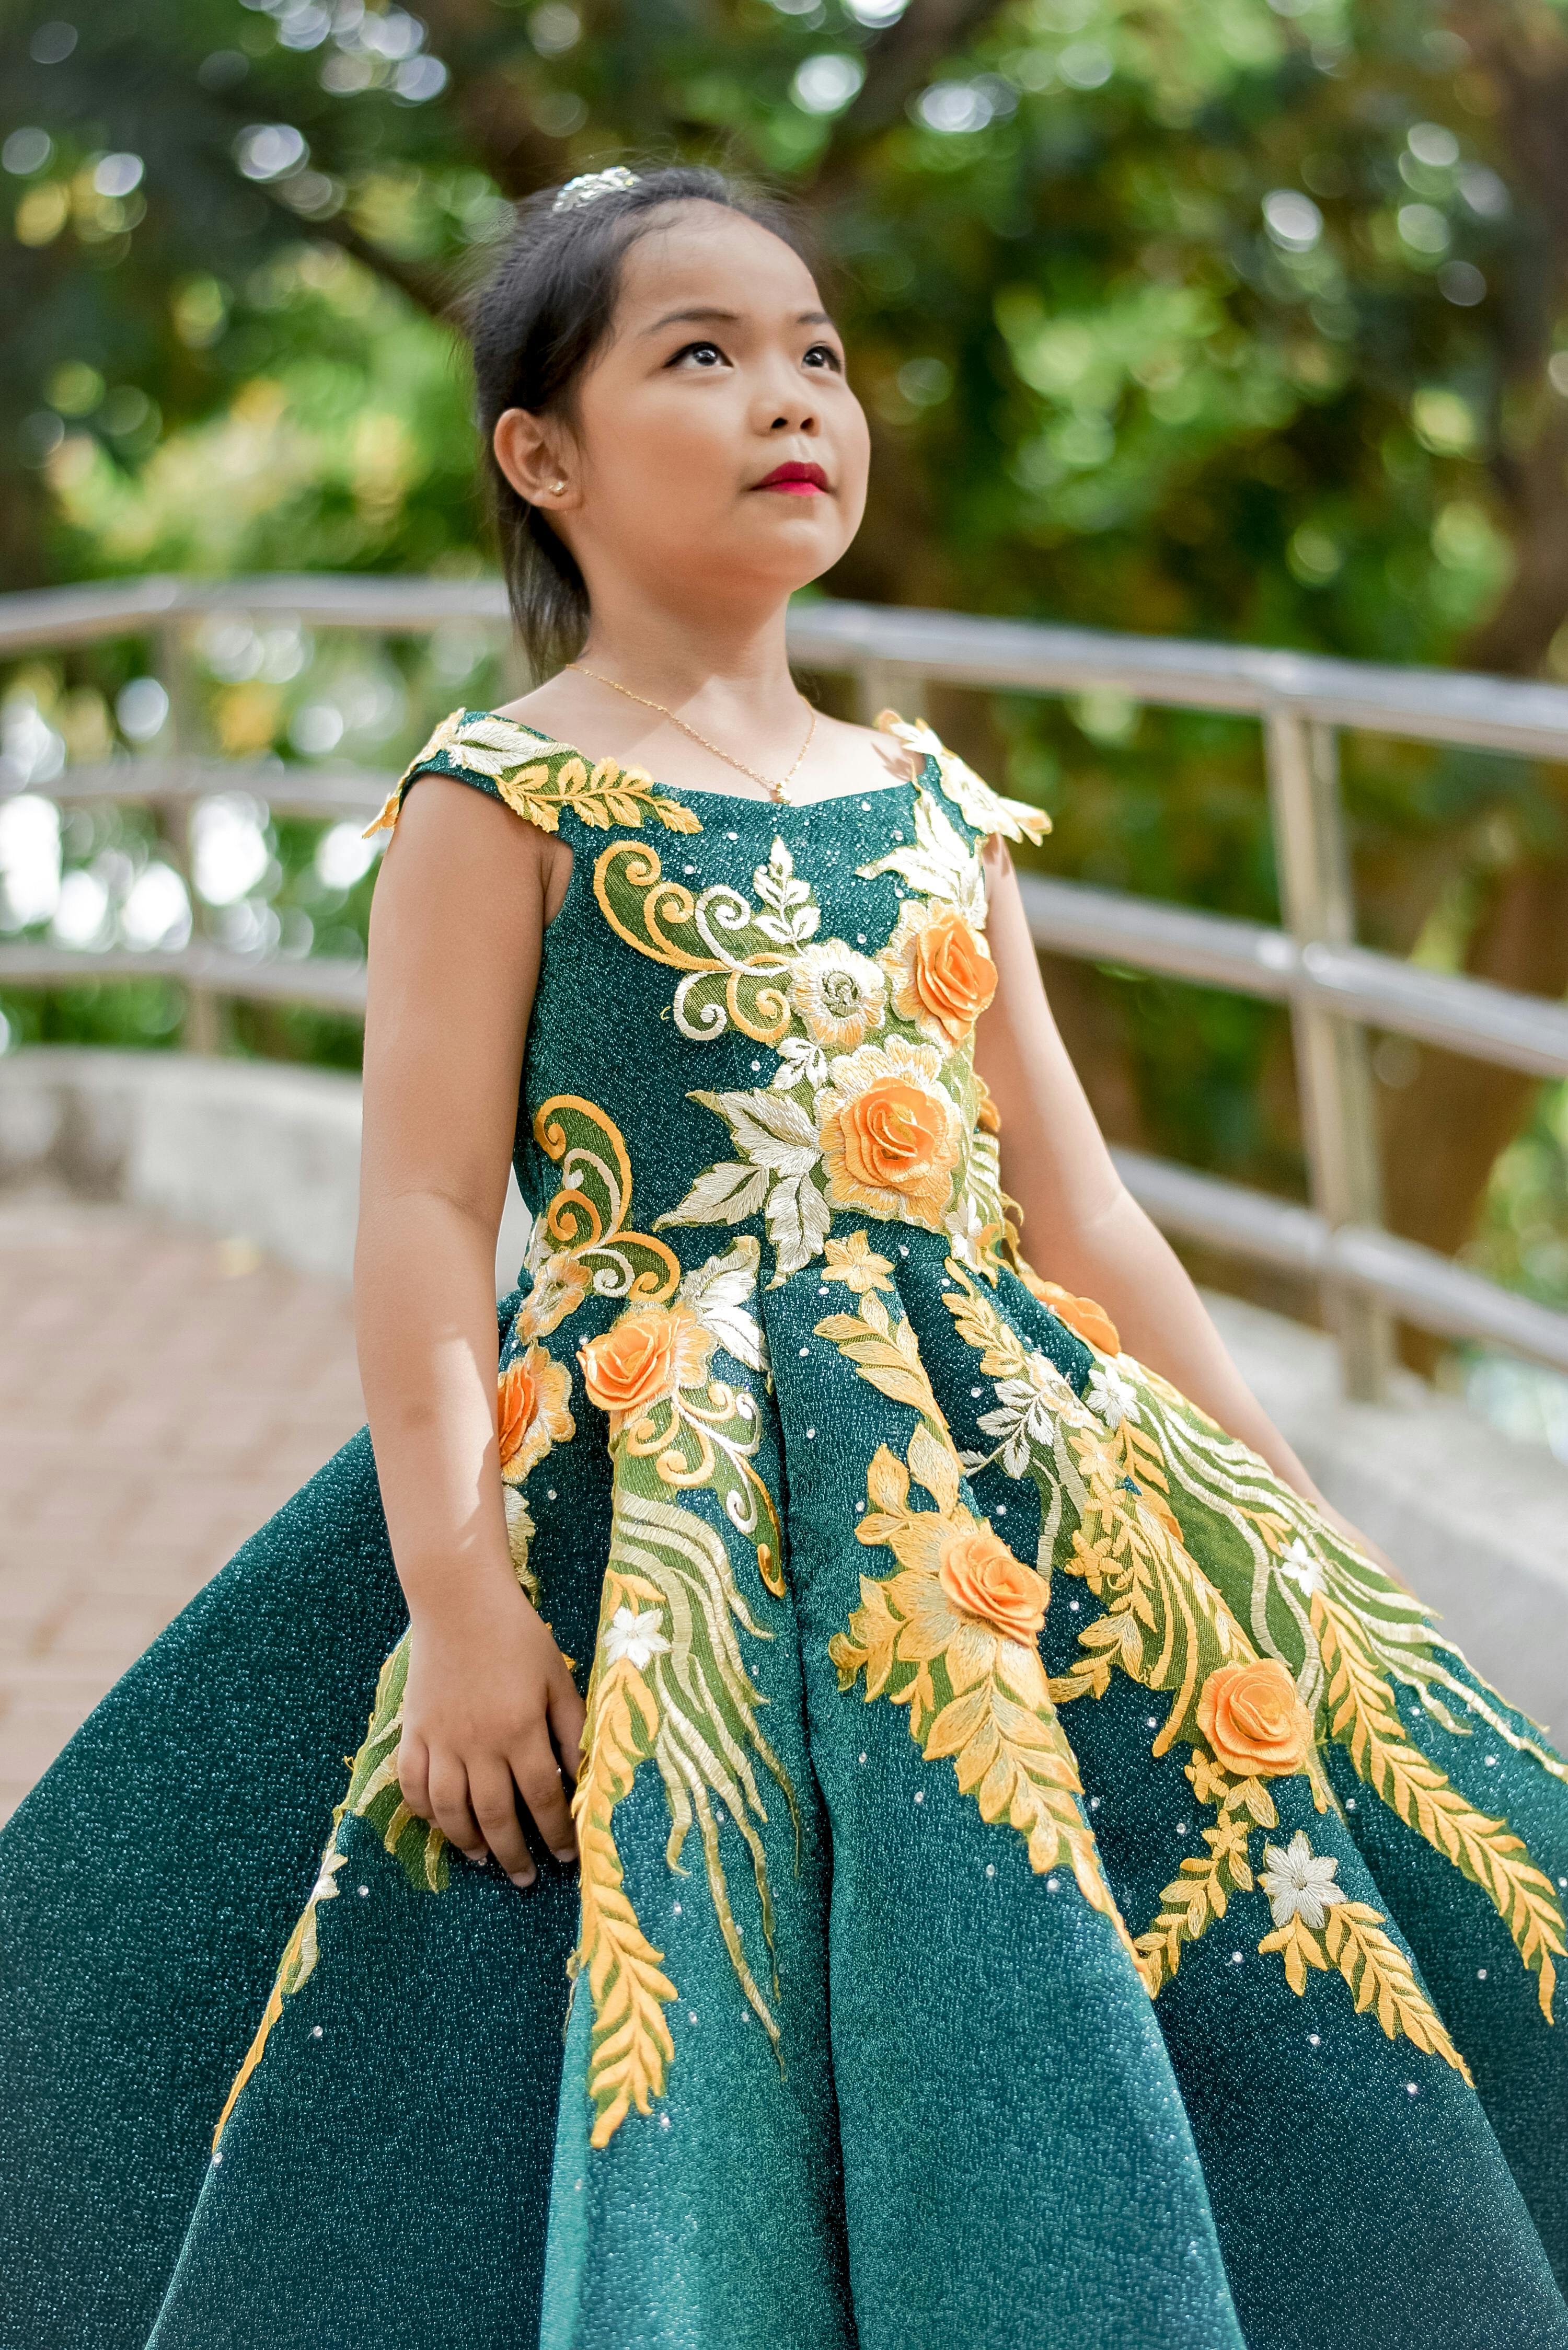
pixel 568 1714
pixel 494 1802
pixel 413 1774
pixel 451 1809
pixel 538 1777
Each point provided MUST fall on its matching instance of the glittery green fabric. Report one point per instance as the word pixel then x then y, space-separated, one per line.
pixel 860 2049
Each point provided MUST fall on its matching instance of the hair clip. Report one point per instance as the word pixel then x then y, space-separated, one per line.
pixel 583 190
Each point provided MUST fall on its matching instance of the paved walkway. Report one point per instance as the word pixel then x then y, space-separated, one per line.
pixel 161 1394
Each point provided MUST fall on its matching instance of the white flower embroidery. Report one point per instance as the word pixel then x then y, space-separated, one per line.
pixel 968 1226
pixel 1026 1413
pixel 634 1635
pixel 839 994
pixel 1109 1397
pixel 331 1861
pixel 1304 1571
pixel 1299 1882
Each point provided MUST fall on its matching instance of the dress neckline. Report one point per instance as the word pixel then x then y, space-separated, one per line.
pixel 731 799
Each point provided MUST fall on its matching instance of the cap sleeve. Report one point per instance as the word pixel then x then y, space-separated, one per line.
pixel 537 779
pixel 983 810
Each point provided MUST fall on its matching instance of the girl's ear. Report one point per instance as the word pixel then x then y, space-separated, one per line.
pixel 527 452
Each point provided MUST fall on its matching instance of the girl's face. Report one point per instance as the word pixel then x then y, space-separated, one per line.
pixel 717 450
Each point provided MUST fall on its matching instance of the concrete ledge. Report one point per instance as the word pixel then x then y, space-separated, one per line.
pixel 242 1148
pixel 250 1150
pixel 255 1150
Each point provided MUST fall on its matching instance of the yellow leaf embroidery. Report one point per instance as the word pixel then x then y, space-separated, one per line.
pixel 1365 1720
pixel 974 1695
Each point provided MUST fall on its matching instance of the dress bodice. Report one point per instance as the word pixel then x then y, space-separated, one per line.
pixel 769 1008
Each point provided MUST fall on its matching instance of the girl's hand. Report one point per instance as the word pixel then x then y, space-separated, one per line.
pixel 487 1691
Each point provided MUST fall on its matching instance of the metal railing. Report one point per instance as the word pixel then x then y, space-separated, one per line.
pixel 1335 989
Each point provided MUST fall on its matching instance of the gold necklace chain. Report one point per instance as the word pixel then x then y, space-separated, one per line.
pixel 775 790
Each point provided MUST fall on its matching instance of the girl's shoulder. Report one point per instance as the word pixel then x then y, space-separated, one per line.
pixel 538 779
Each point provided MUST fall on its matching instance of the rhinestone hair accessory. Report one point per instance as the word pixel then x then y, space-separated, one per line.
pixel 590 184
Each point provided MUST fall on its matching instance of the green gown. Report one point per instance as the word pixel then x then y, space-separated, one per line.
pixel 1039 1885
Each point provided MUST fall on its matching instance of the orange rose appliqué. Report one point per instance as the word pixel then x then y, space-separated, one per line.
pixel 943 976
pixel 890 1132
pixel 980 1578
pixel 644 1356
pixel 1080 1314
pixel 531 1412
pixel 1256 1725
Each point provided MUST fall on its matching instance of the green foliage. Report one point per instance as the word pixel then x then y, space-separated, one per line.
pixel 1238 321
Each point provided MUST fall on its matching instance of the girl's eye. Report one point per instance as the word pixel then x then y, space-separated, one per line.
pixel 703 355
pixel 824 355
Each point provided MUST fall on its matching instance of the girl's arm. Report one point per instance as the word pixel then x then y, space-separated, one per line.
pixel 1082 1226
pixel 460 910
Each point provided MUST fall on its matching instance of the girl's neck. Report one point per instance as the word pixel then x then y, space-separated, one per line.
pixel 733 666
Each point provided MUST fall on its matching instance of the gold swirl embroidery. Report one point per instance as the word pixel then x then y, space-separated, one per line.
pixel 736 958
pixel 582 1240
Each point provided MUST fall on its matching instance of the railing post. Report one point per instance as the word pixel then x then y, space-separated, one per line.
pixel 879 686
pixel 199 1029
pixel 1333 1078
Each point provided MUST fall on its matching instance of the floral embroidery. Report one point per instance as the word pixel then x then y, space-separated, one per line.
pixel 635 1634
pixel 1317 1925
pixel 890 1132
pixel 1025 1412
pixel 645 1358
pixel 839 996
pixel 938 864
pixel 986 810
pixel 856 1265
pixel 1110 1397
pixel 532 1416
pixel 373 1794
pixel 874 1103
pixel 582 1241
pixel 532 1413
pixel 1329 1635
pixel 737 959
pixel 1299 1882
pixel 777 1173
pixel 650 1372
pixel 982 1579
pixel 942 970
pixel 670 1683
pixel 538 779
pixel 1082 1315
pixel 950 1634
pixel 1304 1571
pixel 1255 1724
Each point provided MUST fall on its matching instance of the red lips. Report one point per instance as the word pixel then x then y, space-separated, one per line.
pixel 799 481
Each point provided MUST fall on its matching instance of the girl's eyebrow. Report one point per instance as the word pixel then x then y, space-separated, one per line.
pixel 710 314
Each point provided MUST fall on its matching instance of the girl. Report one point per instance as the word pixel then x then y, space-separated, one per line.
pixel 892 1812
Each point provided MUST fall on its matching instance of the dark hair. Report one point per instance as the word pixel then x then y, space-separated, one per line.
pixel 535 323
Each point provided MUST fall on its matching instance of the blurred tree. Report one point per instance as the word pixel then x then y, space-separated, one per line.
pixel 1237 321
